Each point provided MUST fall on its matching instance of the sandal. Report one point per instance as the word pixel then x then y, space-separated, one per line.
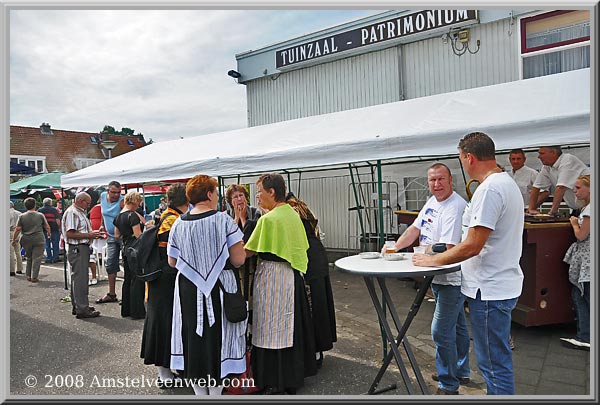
pixel 107 298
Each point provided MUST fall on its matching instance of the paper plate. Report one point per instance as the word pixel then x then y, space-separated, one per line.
pixel 370 255
pixel 393 256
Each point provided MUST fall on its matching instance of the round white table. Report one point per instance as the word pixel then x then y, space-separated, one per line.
pixel 378 270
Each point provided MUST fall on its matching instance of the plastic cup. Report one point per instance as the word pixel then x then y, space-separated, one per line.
pixel 390 247
pixel 419 249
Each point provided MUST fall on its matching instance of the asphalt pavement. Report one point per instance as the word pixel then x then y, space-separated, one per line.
pixel 53 353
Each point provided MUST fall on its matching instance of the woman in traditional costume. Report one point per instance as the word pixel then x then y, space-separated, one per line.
pixel 204 344
pixel 283 347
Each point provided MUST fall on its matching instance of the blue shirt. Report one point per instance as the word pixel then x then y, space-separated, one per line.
pixel 109 212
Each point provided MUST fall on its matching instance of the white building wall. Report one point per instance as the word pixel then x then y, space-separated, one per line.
pixel 417 69
pixel 344 84
pixel 430 67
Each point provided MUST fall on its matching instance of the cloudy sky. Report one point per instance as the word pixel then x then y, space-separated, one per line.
pixel 161 73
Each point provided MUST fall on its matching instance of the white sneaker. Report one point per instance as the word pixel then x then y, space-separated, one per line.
pixel 573 343
pixel 94 281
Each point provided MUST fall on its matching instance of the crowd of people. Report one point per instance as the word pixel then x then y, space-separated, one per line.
pixel 273 254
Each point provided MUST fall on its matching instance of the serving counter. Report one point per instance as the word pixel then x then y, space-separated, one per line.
pixel 546 295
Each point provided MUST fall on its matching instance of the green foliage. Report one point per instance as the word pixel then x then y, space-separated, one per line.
pixel 124 131
pixel 108 129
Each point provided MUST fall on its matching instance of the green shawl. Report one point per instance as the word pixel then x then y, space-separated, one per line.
pixel 281 232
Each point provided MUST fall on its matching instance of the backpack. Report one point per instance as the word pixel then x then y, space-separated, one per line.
pixel 143 256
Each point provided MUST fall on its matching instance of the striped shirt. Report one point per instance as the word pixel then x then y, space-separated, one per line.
pixel 75 220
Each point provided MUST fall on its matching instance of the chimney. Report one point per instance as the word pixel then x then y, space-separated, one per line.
pixel 45 129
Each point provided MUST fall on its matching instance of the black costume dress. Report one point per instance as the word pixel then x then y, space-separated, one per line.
pixel 320 295
pixel 156 338
pixel 134 289
pixel 285 369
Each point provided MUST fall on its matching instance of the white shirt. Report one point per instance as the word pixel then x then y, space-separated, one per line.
pixel 13 215
pixel 440 222
pixel 563 172
pixel 496 205
pixel 75 219
pixel 524 177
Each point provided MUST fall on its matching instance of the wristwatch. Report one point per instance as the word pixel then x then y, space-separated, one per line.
pixel 438 248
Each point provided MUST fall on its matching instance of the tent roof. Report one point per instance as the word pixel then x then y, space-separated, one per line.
pixel 16 168
pixel 41 181
pixel 551 109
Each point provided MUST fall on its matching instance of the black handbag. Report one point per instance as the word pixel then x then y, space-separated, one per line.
pixel 234 304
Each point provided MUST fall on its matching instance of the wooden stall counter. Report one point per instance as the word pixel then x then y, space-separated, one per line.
pixel 546 295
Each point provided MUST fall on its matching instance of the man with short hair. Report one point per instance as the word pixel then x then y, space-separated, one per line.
pixel 523 175
pixel 52 240
pixel 16 261
pixel 560 170
pixel 111 202
pixel 490 251
pixel 439 221
pixel 78 234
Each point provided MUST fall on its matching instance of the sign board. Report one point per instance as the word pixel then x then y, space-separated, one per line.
pixel 398 27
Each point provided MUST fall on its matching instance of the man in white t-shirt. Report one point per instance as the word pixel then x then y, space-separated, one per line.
pixel 439 221
pixel 523 175
pixel 490 251
pixel 560 170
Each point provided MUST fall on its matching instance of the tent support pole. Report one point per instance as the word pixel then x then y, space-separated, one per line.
pixel 462 169
pixel 299 179
pixel 221 187
pixel 289 182
pixel 381 242
pixel 360 218
pixel 62 203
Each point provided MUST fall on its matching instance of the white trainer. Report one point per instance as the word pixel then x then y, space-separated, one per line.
pixel 573 343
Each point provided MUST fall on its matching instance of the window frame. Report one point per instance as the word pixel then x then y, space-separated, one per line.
pixel 27 160
pixel 543 16
pixel 550 48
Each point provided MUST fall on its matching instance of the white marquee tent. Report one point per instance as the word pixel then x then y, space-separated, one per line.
pixel 553 109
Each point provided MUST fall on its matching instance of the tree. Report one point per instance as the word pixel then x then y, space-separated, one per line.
pixel 108 129
pixel 127 131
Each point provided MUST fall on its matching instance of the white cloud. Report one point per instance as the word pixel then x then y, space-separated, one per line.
pixel 162 73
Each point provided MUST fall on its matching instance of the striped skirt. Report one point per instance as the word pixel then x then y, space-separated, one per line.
pixel 273 305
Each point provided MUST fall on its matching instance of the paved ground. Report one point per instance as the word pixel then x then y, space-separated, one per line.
pixel 68 356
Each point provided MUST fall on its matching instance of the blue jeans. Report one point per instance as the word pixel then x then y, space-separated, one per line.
pixel 582 306
pixel 52 246
pixel 451 336
pixel 113 249
pixel 490 325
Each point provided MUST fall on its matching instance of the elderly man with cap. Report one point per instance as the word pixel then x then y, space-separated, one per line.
pixel 78 234
pixel 52 240
pixel 14 252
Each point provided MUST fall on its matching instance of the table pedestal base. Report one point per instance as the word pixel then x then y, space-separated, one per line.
pixel 400 340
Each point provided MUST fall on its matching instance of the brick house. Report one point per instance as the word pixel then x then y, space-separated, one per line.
pixel 47 149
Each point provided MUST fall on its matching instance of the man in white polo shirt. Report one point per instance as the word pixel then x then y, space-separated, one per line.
pixel 490 251
pixel 560 170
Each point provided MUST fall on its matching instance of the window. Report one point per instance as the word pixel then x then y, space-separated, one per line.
pixel 555 42
pixel 35 162
pixel 130 142
pixel 82 163
pixel 416 192
pixel 94 140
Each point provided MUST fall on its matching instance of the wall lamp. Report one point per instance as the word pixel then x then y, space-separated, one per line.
pixel 460 42
pixel 234 74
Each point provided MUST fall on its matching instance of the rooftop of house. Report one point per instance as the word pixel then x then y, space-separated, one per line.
pixel 63 148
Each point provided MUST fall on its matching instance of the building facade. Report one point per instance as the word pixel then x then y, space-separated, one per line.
pixel 47 149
